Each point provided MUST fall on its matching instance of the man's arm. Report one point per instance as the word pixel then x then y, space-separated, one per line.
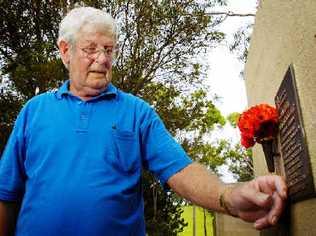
pixel 196 184
pixel 260 200
pixel 8 216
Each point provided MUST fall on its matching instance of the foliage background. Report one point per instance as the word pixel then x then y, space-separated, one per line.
pixel 163 46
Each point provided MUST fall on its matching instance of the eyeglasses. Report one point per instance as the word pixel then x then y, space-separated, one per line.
pixel 93 52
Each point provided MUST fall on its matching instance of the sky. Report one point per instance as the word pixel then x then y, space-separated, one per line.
pixel 224 74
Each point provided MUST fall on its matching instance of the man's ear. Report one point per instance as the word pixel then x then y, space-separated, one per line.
pixel 64 50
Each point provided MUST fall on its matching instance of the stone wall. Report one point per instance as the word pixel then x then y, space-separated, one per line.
pixel 230 226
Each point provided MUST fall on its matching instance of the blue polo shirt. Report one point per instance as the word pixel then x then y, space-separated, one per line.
pixel 76 165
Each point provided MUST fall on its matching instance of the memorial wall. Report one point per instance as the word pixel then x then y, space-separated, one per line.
pixel 281 71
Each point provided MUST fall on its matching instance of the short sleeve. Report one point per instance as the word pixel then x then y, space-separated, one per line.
pixel 12 174
pixel 162 154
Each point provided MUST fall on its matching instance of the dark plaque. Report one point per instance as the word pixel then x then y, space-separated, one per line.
pixel 293 148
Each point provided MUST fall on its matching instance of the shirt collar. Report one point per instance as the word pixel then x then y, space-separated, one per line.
pixel 110 91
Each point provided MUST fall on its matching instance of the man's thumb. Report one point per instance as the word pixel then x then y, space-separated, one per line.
pixel 258 198
pixel 262 199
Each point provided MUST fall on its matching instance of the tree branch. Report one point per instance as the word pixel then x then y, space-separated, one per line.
pixel 229 13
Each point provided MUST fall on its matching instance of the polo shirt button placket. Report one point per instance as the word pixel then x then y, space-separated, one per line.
pixel 84 108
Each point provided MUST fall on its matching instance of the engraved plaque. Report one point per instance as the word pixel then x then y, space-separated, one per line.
pixel 292 144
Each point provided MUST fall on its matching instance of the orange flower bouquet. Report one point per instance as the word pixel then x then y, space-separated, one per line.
pixel 257 124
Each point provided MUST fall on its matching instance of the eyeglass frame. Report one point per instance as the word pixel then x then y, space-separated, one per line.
pixel 111 52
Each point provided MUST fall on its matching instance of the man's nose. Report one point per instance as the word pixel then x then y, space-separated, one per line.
pixel 102 58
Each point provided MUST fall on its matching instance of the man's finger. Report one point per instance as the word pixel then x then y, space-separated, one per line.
pixel 281 187
pixel 252 216
pixel 260 199
pixel 277 208
pixel 262 223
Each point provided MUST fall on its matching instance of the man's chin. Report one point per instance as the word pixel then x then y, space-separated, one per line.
pixel 98 83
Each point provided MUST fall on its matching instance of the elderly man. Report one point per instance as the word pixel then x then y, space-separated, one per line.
pixel 73 162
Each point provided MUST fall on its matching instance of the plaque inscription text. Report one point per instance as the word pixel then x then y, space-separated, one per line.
pixel 293 147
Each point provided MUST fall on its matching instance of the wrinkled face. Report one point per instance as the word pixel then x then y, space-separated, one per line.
pixel 90 62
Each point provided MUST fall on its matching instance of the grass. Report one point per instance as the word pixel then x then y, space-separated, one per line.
pixel 187 215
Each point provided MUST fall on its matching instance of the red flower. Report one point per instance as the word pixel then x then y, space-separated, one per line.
pixel 258 123
pixel 247 142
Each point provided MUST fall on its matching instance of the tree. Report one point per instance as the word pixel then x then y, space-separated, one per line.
pixel 239 161
pixel 233 119
pixel 162 44
pixel 241 42
pixel 162 209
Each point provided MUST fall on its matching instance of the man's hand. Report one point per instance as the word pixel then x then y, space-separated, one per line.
pixel 260 201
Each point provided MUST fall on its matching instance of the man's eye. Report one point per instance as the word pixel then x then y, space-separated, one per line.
pixel 108 50
pixel 90 50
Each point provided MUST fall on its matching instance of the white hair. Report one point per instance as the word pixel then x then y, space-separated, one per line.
pixel 79 17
